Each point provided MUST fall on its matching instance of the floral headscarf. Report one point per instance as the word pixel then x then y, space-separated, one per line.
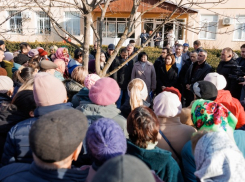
pixel 210 115
pixel 62 53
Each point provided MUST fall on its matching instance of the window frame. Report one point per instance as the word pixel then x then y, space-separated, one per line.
pixel 237 23
pixel 15 17
pixel 38 18
pixel 73 18
pixel 217 22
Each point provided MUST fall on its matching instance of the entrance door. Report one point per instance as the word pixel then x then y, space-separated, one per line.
pixel 149 27
pixel 167 28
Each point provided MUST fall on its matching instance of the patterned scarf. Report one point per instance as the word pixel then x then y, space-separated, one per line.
pixel 209 115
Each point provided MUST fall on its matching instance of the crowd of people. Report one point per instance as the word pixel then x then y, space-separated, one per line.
pixel 175 120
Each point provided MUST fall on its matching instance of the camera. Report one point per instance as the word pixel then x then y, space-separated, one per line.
pixel 238 73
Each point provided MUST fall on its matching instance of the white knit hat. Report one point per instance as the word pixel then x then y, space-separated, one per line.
pixel 218 80
pixel 6 84
pixel 8 56
pixel 167 105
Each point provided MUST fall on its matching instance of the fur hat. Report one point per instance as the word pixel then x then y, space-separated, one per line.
pixel 104 92
pixel 6 84
pixel 167 104
pixel 218 80
pixel 90 80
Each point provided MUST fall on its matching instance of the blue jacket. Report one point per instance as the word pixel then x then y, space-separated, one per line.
pixel 158 160
pixel 22 172
pixel 16 148
pixel 189 162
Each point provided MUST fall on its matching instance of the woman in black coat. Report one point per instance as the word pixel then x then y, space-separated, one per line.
pixel 168 74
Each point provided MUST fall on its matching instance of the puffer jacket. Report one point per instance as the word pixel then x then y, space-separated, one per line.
pixel 82 95
pixel 232 104
pixel 94 112
pixel 17 148
pixel 9 116
pixel 72 88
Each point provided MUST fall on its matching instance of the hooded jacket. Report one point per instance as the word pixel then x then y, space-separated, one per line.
pixel 31 172
pixel 94 112
pixel 232 104
pixel 82 95
pixel 17 148
pixel 158 160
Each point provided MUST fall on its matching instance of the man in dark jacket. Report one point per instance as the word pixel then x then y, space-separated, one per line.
pixel 144 36
pixel 130 49
pixel 50 95
pixel 196 72
pixel 122 76
pixel 55 140
pixel 109 52
pixel 226 67
pixel 241 62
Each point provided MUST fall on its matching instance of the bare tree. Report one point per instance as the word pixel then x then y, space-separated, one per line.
pixel 86 8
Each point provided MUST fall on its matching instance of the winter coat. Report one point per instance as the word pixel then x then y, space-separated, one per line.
pixel 183 71
pixel 158 160
pixel 166 78
pixel 177 134
pixel 189 162
pixel 8 67
pixel 94 112
pixel 126 108
pixel 5 98
pixel 22 172
pixel 9 116
pixel 232 104
pixel 241 62
pixel 17 148
pixel 147 74
pixel 159 61
pixel 199 74
pixel 72 65
pixel 122 76
pixel 72 88
pixel 81 96
pixel 59 75
pixel 232 84
pixel 185 115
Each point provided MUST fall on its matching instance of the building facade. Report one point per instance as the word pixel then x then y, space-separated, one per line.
pixel 217 26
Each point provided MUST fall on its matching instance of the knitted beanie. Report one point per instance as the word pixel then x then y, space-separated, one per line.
pixel 167 104
pixel 90 80
pixel 8 56
pixel 218 80
pixel 104 140
pixel 48 90
pixel 205 90
pixel 5 84
pixel 104 92
pixel 33 53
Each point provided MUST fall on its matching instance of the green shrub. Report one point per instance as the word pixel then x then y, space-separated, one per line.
pixel 153 53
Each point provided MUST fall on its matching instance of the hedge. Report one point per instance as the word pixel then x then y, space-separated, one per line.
pixel 153 53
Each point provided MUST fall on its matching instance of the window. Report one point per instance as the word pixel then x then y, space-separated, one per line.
pixel 208 27
pixel 239 33
pixel 179 29
pixel 114 27
pixel 43 23
pixel 15 22
pixel 72 22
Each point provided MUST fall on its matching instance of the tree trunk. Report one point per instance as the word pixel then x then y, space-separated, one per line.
pixel 87 19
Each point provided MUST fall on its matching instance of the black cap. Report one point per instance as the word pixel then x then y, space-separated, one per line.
pixel 124 168
pixel 111 46
pixel 205 90
pixel 1 42
pixel 56 135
